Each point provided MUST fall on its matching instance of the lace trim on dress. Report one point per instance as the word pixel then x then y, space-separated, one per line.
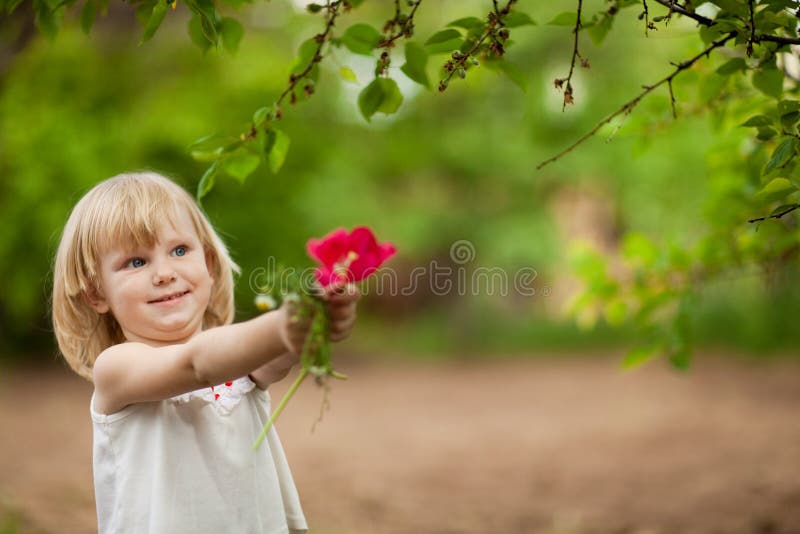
pixel 223 397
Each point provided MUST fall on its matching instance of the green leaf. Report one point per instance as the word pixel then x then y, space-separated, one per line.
pixel 765 133
pixel 48 21
pixel 155 20
pixel 638 356
pixel 711 33
pixel 637 248
pixel 615 311
pixel 11 6
pixel 207 181
pixel 468 23
pixel 211 147
pixel 787 106
pixel 209 18
pixel 88 14
pixel 789 120
pixel 782 208
pixel 276 148
pixel 598 31
pixel 305 53
pixel 392 97
pixel 784 152
pixel 444 41
pixel 734 65
pixel 416 63
pixel 241 164
pixel 383 95
pixel 515 74
pixel 260 115
pixel 567 18
pixel 361 39
pixel 197 35
pixel 681 359
pixel 517 18
pixel 735 7
pixel 348 75
pixel 769 81
pixel 757 120
pixel 232 32
pixel 776 185
pixel 443 36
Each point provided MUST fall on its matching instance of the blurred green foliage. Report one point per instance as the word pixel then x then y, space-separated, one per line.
pixel 671 197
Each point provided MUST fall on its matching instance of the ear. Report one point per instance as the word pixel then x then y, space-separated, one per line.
pixel 95 299
pixel 211 264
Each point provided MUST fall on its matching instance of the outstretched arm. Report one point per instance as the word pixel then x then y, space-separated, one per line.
pixel 341 309
pixel 135 372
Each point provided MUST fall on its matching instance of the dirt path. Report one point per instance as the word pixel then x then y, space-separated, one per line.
pixel 549 445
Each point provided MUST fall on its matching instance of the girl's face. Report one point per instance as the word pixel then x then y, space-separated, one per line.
pixel 158 294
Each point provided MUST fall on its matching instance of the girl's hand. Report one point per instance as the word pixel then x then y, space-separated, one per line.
pixel 341 309
pixel 294 327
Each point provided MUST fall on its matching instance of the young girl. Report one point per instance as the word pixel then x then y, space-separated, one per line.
pixel 142 306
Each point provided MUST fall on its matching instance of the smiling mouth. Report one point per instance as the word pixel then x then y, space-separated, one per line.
pixel 169 297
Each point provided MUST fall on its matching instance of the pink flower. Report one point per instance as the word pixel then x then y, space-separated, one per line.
pixel 348 257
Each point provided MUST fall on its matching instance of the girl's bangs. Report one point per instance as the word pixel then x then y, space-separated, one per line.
pixel 135 219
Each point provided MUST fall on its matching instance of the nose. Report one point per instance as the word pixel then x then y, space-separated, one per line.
pixel 163 274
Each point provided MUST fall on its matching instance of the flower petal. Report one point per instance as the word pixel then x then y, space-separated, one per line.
pixel 329 249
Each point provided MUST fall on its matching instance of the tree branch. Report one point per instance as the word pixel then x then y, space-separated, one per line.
pixel 778 215
pixel 676 8
pixel 321 38
pixel 568 88
pixel 752 37
pixel 406 27
pixel 709 22
pixel 628 106
pixel 495 21
pixel 777 39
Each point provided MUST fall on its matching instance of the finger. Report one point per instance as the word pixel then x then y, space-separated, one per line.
pixel 343 326
pixel 300 325
pixel 341 312
pixel 297 342
pixel 342 290
pixel 345 298
pixel 338 336
pixel 294 311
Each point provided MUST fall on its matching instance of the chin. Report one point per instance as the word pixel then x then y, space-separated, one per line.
pixel 178 332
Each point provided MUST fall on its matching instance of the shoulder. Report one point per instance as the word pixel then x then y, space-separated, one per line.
pixel 136 372
pixel 113 361
pixel 109 367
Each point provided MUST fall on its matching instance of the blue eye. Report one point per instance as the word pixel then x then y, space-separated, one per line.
pixel 135 263
pixel 180 251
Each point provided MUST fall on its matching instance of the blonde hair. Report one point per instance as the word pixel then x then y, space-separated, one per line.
pixel 127 208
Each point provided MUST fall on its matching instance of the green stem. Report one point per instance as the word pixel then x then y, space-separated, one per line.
pixel 299 380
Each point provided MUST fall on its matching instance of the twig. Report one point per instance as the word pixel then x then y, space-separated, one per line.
pixel 495 19
pixel 672 100
pixel 628 106
pixel 406 27
pixel 677 8
pixel 777 39
pixel 776 215
pixel 752 38
pixel 568 89
pixel 333 12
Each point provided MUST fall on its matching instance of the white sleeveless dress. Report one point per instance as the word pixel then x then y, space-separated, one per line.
pixel 186 465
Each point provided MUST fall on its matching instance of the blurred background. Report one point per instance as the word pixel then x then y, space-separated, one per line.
pixel 475 411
